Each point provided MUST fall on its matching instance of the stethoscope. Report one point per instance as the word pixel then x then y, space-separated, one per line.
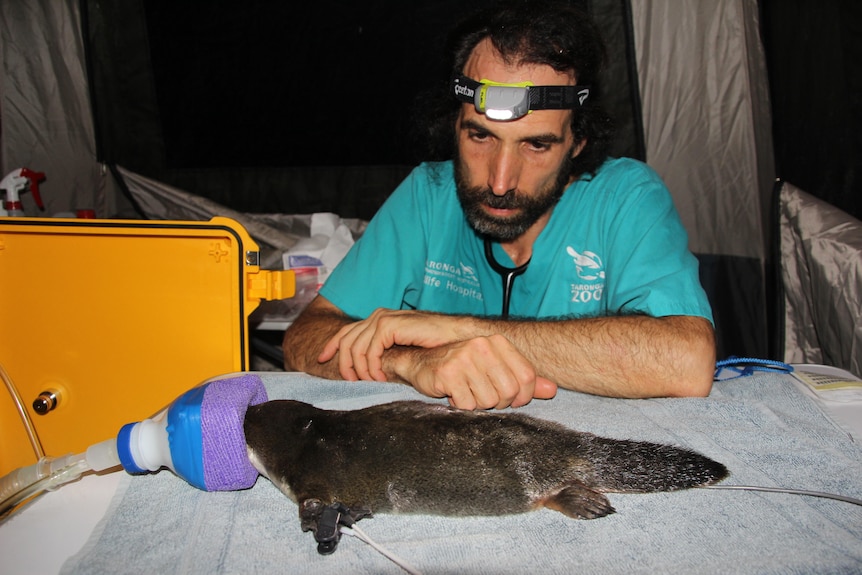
pixel 508 275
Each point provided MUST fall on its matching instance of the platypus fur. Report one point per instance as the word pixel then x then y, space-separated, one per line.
pixel 429 458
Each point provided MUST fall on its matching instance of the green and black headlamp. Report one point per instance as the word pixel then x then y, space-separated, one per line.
pixel 504 102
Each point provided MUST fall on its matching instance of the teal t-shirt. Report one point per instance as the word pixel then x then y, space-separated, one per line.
pixel 614 244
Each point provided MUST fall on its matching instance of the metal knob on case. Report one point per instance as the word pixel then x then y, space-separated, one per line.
pixel 46 402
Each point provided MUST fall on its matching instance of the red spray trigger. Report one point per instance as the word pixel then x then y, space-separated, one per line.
pixel 34 178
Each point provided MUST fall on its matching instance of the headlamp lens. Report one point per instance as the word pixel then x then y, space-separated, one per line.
pixel 502 102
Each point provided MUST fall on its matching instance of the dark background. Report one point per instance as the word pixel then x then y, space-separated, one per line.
pixel 814 56
pixel 272 106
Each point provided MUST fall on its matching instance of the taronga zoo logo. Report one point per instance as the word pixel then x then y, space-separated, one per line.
pixel 588 264
pixel 591 272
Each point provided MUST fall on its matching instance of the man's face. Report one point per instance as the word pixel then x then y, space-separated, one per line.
pixel 509 175
pixel 506 217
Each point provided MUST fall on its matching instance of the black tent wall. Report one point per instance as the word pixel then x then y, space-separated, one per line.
pixel 700 89
pixel 267 106
pixel 231 104
pixel 813 51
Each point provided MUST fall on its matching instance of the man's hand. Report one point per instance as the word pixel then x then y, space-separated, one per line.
pixel 445 359
pixel 483 373
pixel 360 345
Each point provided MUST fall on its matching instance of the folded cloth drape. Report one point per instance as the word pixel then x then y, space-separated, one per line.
pixel 763 428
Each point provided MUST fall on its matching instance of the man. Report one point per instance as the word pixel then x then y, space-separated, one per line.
pixel 528 261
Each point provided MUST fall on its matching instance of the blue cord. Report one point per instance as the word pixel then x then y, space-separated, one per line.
pixel 745 366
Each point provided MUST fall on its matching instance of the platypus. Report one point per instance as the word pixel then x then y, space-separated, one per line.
pixel 429 458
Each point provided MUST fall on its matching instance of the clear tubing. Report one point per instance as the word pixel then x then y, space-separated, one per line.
pixel 52 472
pixel 25 418
pixel 101 456
pixel 49 472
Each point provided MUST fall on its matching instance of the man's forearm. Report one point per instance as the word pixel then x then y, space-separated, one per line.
pixel 617 356
pixel 620 356
pixel 305 338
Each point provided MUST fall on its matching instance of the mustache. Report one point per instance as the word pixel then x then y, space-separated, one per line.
pixel 510 200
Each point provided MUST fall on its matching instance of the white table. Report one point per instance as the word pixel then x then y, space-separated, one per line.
pixel 57 525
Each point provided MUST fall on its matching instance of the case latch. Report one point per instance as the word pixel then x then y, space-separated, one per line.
pixel 272 284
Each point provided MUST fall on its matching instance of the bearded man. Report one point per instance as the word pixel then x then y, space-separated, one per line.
pixel 528 261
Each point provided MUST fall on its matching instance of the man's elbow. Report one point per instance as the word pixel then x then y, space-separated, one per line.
pixel 298 349
pixel 697 365
pixel 694 387
pixel 307 335
pixel 289 348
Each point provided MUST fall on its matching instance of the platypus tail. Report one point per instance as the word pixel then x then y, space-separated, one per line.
pixel 641 467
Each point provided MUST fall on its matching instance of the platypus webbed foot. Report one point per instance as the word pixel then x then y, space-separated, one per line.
pixel 579 502
pixel 326 521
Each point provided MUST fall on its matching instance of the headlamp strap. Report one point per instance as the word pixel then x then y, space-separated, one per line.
pixel 558 97
pixel 541 97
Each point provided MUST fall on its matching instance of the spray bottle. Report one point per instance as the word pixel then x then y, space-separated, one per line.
pixel 15 183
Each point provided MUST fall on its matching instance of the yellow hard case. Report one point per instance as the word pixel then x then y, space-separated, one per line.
pixel 117 318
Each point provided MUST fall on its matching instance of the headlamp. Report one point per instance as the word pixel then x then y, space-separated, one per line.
pixel 505 102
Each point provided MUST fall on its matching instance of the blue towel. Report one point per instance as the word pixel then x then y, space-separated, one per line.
pixel 765 430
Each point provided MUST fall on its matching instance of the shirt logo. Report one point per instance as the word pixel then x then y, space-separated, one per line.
pixel 591 272
pixel 457 278
pixel 469 273
pixel 588 264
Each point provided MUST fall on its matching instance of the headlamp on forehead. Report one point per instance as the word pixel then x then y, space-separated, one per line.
pixel 503 102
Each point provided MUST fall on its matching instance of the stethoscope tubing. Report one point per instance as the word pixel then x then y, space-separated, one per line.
pixel 507 274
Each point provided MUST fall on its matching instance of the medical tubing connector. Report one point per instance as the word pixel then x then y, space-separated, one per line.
pixel 49 473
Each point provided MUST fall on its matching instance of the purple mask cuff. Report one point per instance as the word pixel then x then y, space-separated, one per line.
pixel 225 401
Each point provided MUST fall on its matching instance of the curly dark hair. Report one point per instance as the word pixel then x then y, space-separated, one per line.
pixel 524 32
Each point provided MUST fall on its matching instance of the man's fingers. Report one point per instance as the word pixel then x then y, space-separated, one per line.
pixel 462 398
pixel 545 389
pixel 350 343
pixel 374 358
pixel 329 351
pixel 482 373
pixel 332 346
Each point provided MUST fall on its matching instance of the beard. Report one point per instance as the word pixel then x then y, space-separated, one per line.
pixel 530 207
